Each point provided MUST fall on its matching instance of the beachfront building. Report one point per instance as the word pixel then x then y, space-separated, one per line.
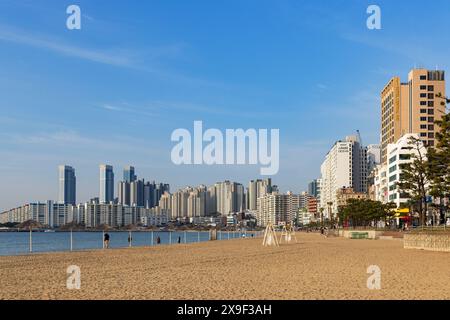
pixel 345 165
pixel 345 194
pixel 380 187
pixel 314 188
pixel 230 197
pixel 373 156
pixel 91 214
pixel 257 189
pixel 411 107
pixel 304 217
pixel 399 154
pixel 277 208
pixel 312 207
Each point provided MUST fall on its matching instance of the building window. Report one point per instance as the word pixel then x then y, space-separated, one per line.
pixel 423 118
pixel 431 88
pixel 431 127
pixel 405 157
pixel 423 134
pixel 431 143
pixel 423 103
pixel 430 119
pixel 423 95
pixel 423 87
pixel 423 110
pixel 431 135
pixel 423 77
pixel 430 96
pixel 392 169
pixel 393 178
pixel 431 103
pixel 392 159
pixel 430 111
pixel 423 126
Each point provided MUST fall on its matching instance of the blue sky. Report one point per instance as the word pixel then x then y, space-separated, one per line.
pixel 114 91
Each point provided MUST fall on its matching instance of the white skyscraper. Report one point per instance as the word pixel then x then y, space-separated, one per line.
pixel 345 165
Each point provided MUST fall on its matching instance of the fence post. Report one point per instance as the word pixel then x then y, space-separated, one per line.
pixel 71 240
pixel 185 240
pixel 103 239
pixel 198 235
pixel 228 232
pixel 129 239
pixel 151 238
pixel 31 240
pixel 170 237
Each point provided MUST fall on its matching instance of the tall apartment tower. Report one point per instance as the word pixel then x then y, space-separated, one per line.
pixel 106 183
pixel 345 165
pixel 412 107
pixel 256 189
pixel 67 185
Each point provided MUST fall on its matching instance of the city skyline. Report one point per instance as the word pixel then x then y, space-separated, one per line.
pixel 100 96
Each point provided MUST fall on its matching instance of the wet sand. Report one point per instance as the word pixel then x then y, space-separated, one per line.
pixel 314 268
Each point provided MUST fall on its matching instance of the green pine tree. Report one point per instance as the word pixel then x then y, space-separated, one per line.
pixel 414 178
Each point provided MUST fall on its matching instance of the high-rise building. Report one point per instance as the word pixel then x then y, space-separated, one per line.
pixel 411 107
pixel 373 156
pixel 137 193
pixel 345 165
pixel 398 155
pixel 128 174
pixel 313 188
pixel 230 197
pixel 303 199
pixel 124 193
pixel 67 185
pixel 277 208
pixel 106 183
pixel 256 189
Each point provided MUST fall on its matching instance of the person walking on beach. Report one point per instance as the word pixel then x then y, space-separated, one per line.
pixel 158 240
pixel 106 241
pixel 179 239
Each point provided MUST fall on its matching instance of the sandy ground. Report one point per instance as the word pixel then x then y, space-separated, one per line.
pixel 314 268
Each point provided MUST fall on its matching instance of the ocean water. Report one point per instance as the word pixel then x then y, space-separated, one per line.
pixel 18 243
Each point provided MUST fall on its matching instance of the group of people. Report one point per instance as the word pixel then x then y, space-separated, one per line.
pixel 106 240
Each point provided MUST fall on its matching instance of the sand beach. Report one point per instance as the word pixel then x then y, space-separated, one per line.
pixel 314 268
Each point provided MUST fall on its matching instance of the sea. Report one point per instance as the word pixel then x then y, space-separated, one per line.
pixel 18 243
